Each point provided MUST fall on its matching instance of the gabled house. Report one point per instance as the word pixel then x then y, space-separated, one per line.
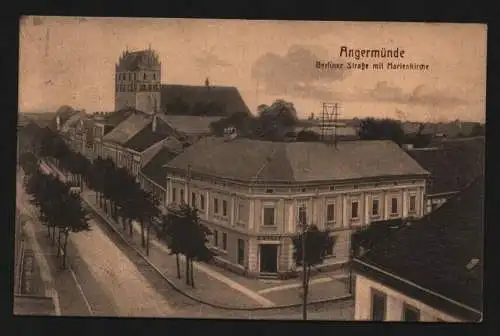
pixel 453 164
pixel 105 124
pixel 143 146
pixel 114 141
pixel 430 269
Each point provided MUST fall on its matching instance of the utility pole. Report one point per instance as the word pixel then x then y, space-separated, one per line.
pixel 304 273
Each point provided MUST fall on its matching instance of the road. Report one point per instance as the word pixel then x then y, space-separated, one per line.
pixel 104 279
pixel 110 279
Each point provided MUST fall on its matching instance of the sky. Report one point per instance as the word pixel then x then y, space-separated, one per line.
pixel 71 61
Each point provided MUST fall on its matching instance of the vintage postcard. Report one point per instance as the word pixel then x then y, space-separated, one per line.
pixel 250 169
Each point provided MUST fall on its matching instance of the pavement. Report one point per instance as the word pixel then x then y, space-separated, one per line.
pixel 220 286
pixel 212 284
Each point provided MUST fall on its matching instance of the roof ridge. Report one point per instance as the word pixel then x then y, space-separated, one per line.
pixel 267 161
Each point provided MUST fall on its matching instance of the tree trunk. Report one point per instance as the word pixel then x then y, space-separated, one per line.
pixel 191 266
pixel 178 265
pixel 96 197
pixel 65 246
pixel 143 242
pixel 147 237
pixel 187 272
pixel 130 230
pixel 53 235
pixel 304 291
pixel 59 234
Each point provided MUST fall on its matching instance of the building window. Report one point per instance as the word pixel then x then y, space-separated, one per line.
pixel 302 214
pixel 394 205
pixel 330 213
pixel 413 204
pixel 174 195
pixel 378 301
pixel 182 195
pixel 216 238
pixel 242 211
pixel 375 207
pixel 193 200
pixel 145 76
pixel 202 202
pixel 216 205
pixel 410 314
pixel 224 208
pixel 224 241
pixel 241 252
pixel 354 210
pixel 268 215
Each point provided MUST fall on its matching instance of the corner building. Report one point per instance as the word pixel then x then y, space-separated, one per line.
pixel 252 194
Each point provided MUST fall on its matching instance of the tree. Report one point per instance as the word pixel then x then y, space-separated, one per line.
pixel 381 129
pixel 74 219
pixel 309 249
pixel 186 235
pixel 147 206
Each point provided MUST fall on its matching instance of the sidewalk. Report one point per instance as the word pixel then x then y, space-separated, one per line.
pixel 222 287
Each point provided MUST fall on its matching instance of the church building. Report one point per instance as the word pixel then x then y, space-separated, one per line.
pixel 138 81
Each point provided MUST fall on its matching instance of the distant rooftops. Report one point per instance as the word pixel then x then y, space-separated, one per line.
pixel 453 165
pixel 442 252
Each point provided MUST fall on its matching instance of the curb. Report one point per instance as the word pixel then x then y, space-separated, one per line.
pixel 194 298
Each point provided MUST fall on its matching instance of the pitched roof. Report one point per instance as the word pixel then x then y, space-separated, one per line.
pixel 135 60
pixel 73 120
pixel 144 139
pixel 116 117
pixel 265 161
pixel 127 129
pixel 191 125
pixel 434 252
pixel 227 97
pixel 453 165
pixel 155 168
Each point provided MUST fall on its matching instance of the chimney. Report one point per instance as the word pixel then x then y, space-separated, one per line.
pixel 154 123
pixel 230 133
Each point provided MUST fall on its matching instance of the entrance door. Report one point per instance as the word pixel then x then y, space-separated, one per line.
pixel 268 258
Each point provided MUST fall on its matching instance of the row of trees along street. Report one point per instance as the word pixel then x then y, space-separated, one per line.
pixel 60 210
pixel 121 197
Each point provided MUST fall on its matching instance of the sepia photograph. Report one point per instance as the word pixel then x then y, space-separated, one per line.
pixel 250 169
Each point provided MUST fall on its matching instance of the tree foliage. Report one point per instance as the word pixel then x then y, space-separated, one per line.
pixel 187 236
pixel 59 209
pixel 271 123
pixel 381 129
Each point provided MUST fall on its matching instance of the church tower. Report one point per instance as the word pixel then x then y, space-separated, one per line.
pixel 138 81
